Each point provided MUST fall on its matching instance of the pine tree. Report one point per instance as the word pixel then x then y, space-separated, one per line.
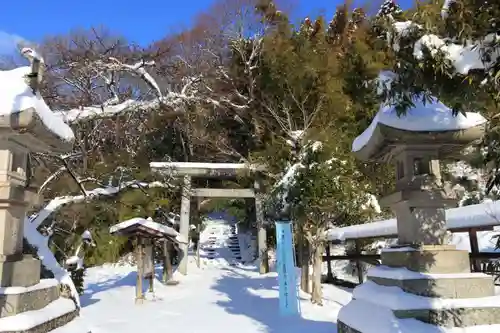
pixel 337 25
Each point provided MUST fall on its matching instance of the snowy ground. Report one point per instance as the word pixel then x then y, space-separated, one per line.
pixel 217 297
pixel 222 295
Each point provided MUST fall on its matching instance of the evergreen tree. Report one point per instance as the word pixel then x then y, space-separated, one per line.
pixel 450 53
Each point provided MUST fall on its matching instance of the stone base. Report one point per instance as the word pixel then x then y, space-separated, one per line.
pixel 436 259
pixel 51 324
pixel 463 299
pixel 56 314
pixel 15 300
pixel 463 318
pixel 20 273
pixel 459 317
pixel 473 286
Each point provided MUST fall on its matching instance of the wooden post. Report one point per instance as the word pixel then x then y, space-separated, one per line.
pixel 167 263
pixel 359 267
pixel 474 249
pixel 139 296
pixel 329 274
pixel 151 277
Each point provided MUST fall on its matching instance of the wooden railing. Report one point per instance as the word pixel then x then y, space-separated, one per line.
pixel 482 217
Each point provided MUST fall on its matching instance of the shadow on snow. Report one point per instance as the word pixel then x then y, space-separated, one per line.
pixel 263 309
pixel 129 280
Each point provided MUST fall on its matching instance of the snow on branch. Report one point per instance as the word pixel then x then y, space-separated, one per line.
pixel 193 90
pixel 108 71
pixel 49 261
pixel 58 202
pixel 481 54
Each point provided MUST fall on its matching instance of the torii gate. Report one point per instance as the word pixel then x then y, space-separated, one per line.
pixel 189 170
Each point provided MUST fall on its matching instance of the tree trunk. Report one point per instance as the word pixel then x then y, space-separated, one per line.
pixel 304 264
pixel 317 294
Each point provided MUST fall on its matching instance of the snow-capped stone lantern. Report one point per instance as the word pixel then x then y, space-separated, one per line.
pixel 423 284
pixel 26 125
pixel 414 144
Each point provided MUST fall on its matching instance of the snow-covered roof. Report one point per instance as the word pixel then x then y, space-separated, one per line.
pixel 198 165
pixel 17 96
pixel 432 116
pixel 203 169
pixel 149 224
pixel 473 216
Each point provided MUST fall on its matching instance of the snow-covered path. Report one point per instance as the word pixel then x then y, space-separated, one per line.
pixel 211 299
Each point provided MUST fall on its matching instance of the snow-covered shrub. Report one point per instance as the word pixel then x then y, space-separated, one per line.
pixel 77 275
pixel 321 189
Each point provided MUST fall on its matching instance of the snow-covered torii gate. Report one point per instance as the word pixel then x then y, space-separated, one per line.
pixel 189 170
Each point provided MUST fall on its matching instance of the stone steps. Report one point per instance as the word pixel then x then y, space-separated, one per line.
pixel 77 325
pixel 56 314
pixel 234 246
pixel 457 317
pixel 16 300
pixel 434 285
pixel 232 243
pixel 446 312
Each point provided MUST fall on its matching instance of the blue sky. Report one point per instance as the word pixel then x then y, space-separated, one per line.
pixel 139 21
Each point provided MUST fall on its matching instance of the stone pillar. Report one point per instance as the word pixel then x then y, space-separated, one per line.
pixel 420 200
pixel 261 230
pixel 15 268
pixel 184 222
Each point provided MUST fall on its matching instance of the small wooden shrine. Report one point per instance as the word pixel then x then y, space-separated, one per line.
pixel 145 232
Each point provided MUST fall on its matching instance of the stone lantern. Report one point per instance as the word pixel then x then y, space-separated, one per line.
pixel 26 125
pixel 422 265
pixel 420 197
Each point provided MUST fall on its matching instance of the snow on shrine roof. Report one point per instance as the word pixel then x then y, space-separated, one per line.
pixel 17 96
pixel 150 224
pixel 432 116
pixel 473 216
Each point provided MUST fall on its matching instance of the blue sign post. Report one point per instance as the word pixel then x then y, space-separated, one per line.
pixel 288 292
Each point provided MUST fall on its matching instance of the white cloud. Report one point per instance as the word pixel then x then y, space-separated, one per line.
pixel 8 42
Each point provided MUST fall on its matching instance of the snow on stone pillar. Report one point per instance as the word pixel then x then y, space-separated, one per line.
pixel 12 204
pixel 26 125
pixel 420 200
pixel 184 222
